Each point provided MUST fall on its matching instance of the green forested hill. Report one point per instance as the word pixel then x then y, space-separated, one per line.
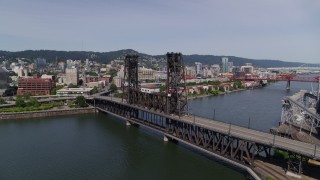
pixel 106 57
pixel 51 55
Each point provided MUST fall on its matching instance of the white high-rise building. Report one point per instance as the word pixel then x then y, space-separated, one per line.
pixel 117 81
pixel 72 76
pixel 198 68
pixel 247 69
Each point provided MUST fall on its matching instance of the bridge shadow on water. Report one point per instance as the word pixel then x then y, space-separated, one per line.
pixel 174 143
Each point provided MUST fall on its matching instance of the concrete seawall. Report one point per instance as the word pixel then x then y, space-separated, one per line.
pixel 46 113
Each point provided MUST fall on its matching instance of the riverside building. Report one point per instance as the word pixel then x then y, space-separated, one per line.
pixel 35 86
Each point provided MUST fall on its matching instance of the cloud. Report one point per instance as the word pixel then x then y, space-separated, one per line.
pixel 286 30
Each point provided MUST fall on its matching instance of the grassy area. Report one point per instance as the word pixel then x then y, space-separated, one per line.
pixel 270 178
pixel 33 108
pixel 2 101
pixel 118 95
pixel 278 154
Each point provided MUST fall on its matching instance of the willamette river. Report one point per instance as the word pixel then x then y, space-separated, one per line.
pixel 97 146
pixel 262 106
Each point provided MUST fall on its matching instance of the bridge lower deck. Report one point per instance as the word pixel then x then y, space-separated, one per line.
pixel 305 149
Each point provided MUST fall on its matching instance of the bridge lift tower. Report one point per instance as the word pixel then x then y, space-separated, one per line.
pixel 176 87
pixel 130 85
pixel 173 101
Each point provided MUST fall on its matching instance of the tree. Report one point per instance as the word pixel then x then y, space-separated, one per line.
pixel 73 86
pixel 91 73
pixel 81 101
pixel 215 92
pixel 80 82
pixel 54 90
pixel 32 102
pixel 113 87
pixel 2 101
pixel 238 84
pixel 95 90
pixel 221 89
pixel 163 88
pixel 20 102
pixel 113 73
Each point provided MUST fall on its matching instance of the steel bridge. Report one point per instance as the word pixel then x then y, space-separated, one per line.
pixel 296 112
pixel 281 77
pixel 233 142
pixel 166 113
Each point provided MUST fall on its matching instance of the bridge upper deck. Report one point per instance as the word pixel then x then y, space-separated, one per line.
pixel 305 149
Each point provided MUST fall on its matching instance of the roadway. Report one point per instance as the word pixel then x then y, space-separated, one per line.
pixel 278 142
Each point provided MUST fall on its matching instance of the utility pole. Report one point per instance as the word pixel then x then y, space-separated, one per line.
pixel 194 119
pixel 318 87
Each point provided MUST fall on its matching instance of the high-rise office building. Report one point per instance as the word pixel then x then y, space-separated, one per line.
pixel 72 76
pixel 198 68
pixel 40 63
pixel 4 78
pixel 224 65
pixel 230 66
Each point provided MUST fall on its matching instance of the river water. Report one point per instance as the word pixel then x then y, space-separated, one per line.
pixel 258 109
pixel 97 146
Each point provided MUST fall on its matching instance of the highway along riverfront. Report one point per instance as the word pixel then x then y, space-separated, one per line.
pixel 97 146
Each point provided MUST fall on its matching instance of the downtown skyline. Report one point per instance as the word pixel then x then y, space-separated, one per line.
pixel 286 30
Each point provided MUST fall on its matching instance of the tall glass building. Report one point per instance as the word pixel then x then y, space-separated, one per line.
pixel 224 65
pixel 40 63
pixel 4 78
pixel 198 68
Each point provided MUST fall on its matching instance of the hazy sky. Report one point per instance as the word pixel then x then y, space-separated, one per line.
pixel 265 29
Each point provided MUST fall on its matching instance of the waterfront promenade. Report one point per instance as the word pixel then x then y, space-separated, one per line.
pixel 46 113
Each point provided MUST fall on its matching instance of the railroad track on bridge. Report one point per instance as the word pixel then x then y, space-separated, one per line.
pixel 306 149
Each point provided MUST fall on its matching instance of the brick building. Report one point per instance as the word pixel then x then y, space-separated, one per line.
pixel 92 79
pixel 35 86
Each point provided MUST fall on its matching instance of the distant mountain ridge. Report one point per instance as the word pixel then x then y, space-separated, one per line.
pixel 106 57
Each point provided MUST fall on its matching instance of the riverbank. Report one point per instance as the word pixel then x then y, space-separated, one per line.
pixel 222 93
pixel 46 113
pixel 208 95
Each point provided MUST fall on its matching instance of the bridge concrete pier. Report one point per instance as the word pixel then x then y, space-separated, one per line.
pixel 288 85
pixel 128 123
pixel 165 139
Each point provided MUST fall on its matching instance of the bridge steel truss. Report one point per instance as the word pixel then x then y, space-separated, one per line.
pixel 153 110
pixel 130 85
pixel 173 101
pixel 221 143
pixel 291 109
pixel 176 88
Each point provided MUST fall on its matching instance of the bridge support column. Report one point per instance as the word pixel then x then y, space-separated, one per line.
pixel 165 139
pixel 128 123
pixel 288 85
pixel 294 165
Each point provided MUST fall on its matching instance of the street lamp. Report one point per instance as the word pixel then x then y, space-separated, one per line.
pixel 194 119
pixel 214 113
